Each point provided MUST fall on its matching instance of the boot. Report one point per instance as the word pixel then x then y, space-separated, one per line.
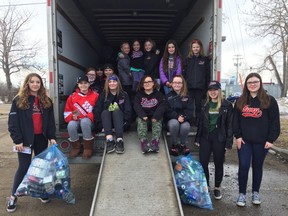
pixel 88 148
pixel 75 150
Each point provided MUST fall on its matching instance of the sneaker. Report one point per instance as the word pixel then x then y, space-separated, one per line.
pixel 144 146
pixel 174 150
pixel 217 194
pixel 11 205
pixel 110 146
pixel 241 201
pixel 184 149
pixel 120 147
pixel 256 198
pixel 154 145
pixel 44 200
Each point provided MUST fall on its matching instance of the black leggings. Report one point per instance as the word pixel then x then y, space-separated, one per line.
pixel 24 160
pixel 207 146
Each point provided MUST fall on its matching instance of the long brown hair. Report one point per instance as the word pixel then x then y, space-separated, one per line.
pixel 24 92
pixel 106 86
pixel 140 86
pixel 166 55
pixel 245 98
pixel 184 90
pixel 196 41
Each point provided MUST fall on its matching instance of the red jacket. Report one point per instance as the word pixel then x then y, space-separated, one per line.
pixel 81 104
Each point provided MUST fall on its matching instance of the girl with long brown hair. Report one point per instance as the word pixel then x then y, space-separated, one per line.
pixel 256 125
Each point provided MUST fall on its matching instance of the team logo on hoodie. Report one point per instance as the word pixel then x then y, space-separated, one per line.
pixel 149 103
pixel 251 112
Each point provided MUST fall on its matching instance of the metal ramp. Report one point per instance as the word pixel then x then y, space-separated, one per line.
pixel 136 184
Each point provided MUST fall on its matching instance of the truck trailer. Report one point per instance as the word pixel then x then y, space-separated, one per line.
pixel 86 33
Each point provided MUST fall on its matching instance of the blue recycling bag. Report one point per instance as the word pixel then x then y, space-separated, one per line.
pixel 191 182
pixel 48 176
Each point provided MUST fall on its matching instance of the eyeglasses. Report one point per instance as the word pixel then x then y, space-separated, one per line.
pixel 177 83
pixel 253 83
pixel 146 82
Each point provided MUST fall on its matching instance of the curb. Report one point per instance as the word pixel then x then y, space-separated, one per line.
pixel 282 152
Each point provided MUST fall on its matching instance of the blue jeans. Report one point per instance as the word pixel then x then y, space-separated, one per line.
pixel 178 130
pixel 86 126
pixel 258 153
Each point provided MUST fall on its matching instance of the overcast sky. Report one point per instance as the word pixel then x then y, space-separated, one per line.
pixel 239 44
pixel 36 29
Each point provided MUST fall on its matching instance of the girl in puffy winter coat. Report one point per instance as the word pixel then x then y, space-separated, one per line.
pixel 78 114
pixel 215 133
pixel 170 65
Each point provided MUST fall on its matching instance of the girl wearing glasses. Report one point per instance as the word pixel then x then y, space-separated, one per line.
pixel 149 105
pixel 179 115
pixel 256 125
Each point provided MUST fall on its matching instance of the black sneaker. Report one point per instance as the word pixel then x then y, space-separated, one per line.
pixel 119 147
pixel 217 194
pixel 184 149
pixel 11 205
pixel 174 150
pixel 45 200
pixel 110 146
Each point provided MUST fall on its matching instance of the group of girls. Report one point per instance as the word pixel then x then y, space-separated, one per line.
pixel 254 121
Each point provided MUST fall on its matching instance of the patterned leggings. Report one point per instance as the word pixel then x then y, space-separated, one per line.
pixel 142 128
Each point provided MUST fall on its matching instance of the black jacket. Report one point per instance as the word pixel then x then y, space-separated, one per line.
pixel 103 103
pixel 20 123
pixel 151 106
pixel 178 105
pixel 224 124
pixel 196 71
pixel 256 125
pixel 151 63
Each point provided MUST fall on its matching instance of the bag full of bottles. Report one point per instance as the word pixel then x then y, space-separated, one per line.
pixel 48 176
pixel 191 182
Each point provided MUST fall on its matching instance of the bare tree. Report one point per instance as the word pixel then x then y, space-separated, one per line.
pixel 270 20
pixel 15 53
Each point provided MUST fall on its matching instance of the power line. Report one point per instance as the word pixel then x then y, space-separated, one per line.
pixel 23 4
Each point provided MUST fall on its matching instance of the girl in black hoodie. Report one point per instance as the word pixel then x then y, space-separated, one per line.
pixel 256 125
pixel 149 105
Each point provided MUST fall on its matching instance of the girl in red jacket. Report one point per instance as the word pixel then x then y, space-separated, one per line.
pixel 78 113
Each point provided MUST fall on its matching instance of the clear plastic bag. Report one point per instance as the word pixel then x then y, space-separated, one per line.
pixel 48 176
pixel 191 182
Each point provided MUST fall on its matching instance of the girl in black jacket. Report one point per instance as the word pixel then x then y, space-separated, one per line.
pixel 179 115
pixel 196 71
pixel 256 125
pixel 215 133
pixel 31 124
pixel 113 110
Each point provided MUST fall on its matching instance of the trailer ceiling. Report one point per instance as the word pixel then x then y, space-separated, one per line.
pixel 124 20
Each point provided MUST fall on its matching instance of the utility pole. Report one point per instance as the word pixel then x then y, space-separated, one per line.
pixel 238 59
